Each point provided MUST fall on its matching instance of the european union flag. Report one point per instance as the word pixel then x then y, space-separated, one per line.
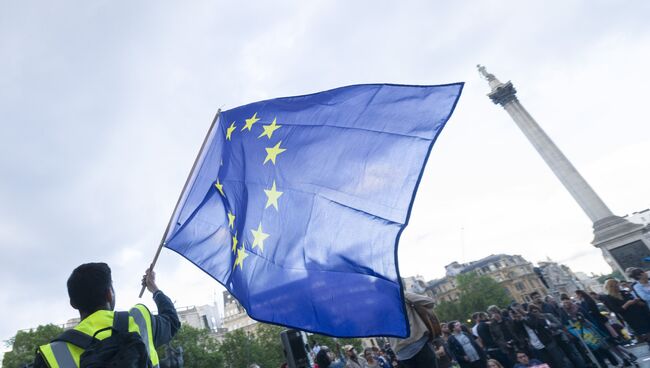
pixel 296 204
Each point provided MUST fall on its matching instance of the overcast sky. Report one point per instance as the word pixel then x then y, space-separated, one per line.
pixel 104 104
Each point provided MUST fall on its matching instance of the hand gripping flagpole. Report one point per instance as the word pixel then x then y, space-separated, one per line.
pixel 180 197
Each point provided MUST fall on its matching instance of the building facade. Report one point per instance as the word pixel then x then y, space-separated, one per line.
pixel 235 316
pixel 414 284
pixel 512 272
pixel 591 283
pixel 559 279
pixel 201 317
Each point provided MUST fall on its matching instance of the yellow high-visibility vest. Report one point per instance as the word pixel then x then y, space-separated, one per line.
pixel 61 354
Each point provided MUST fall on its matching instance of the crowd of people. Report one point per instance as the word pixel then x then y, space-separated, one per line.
pixel 577 331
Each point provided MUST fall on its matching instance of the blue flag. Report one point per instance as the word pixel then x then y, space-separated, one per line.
pixel 296 204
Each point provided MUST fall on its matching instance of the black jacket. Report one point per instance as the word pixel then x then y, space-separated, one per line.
pixel 457 348
pixel 541 328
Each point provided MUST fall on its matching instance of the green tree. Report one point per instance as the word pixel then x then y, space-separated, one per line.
pixel 200 349
pixel 448 311
pixel 264 347
pixel 239 349
pixel 477 292
pixel 25 343
pixel 270 353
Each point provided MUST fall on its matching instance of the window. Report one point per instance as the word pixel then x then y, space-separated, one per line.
pixel 520 286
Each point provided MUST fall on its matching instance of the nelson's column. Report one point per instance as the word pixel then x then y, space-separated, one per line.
pixel 624 244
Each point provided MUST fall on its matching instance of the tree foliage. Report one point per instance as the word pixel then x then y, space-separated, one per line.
pixel 200 349
pixel 25 343
pixel 238 349
pixel 477 292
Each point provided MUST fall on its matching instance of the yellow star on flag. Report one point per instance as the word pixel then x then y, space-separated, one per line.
pixel 273 152
pixel 259 237
pixel 249 122
pixel 269 129
pixel 219 187
pixel 241 254
pixel 229 130
pixel 272 196
pixel 234 242
pixel 231 220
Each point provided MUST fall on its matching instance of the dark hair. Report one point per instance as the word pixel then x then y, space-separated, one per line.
pixel 564 296
pixel 520 352
pixel 87 286
pixel 451 324
pixel 535 293
pixel 323 359
pixel 634 272
pixel 533 306
pixel 584 295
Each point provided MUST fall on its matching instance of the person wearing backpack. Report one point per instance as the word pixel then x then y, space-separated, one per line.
pixel 105 338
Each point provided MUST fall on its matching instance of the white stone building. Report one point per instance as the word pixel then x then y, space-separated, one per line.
pixel 235 316
pixel 559 278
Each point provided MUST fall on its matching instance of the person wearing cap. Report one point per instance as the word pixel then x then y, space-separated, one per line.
pixel 353 360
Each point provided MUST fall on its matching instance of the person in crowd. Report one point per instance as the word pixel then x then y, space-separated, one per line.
pixel 381 357
pixel 493 363
pixel 445 332
pixel 444 358
pixel 569 307
pixel 370 358
pixel 545 307
pixel 352 359
pixel 633 311
pixel 390 353
pixel 564 340
pixel 560 313
pixel 523 361
pixel 522 338
pixel 415 350
pixel 464 347
pixel 594 295
pixel 641 286
pixel 505 334
pixel 541 337
pixel 325 358
pixel 590 310
pixel 475 319
pixel 499 336
pixel 90 288
pixel 543 325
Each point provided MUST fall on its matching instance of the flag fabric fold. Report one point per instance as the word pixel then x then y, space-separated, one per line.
pixel 296 204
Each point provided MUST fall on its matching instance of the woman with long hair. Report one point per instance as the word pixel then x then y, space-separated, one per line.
pixel 633 311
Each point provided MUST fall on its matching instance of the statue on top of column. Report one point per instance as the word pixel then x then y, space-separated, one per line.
pixel 484 73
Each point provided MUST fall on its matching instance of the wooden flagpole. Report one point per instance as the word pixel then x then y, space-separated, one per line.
pixel 178 202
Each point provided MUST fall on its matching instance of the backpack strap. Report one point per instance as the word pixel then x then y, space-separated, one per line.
pixel 75 337
pixel 121 322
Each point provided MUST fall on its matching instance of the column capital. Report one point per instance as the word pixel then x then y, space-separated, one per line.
pixel 503 94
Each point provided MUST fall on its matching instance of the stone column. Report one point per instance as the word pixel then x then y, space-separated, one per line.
pixel 611 233
pixel 505 95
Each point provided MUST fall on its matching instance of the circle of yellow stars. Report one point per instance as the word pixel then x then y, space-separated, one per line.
pixel 272 194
